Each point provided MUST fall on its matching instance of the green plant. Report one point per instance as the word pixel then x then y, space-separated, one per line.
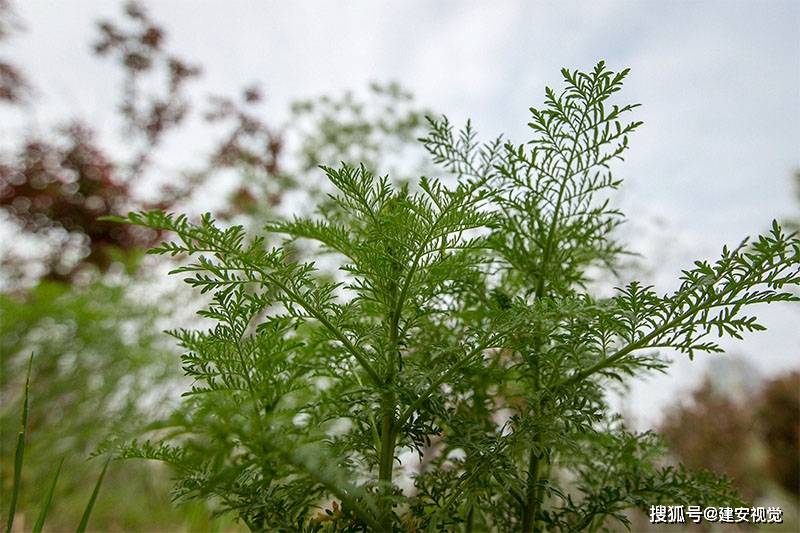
pixel 19 458
pixel 461 328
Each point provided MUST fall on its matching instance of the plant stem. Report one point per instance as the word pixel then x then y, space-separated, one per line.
pixel 388 428
pixel 386 465
pixel 470 519
pixel 531 495
pixel 532 501
pixel 531 507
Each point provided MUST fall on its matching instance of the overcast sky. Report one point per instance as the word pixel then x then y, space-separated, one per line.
pixel 718 83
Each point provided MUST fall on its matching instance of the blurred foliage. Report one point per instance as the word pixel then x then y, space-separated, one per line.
pixel 101 364
pixel 97 356
pixel 14 89
pixel 778 416
pixel 62 187
pixel 138 46
pixel 374 132
pixel 717 432
pixel 749 435
pixel 56 185
pixel 794 222
pixel 378 130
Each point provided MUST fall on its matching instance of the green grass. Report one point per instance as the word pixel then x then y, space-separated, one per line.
pixel 19 452
pixel 19 456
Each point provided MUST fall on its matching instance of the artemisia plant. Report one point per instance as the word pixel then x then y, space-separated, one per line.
pixel 452 375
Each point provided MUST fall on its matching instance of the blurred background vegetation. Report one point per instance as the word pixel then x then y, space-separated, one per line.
pixel 81 296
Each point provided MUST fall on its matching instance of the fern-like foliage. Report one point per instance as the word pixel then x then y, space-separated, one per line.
pixel 459 328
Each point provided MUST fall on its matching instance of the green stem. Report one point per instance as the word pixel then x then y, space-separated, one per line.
pixel 470 519
pixel 532 501
pixel 532 493
pixel 388 423
pixel 386 464
pixel 532 497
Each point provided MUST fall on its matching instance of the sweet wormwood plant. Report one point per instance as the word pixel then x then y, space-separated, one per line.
pixel 462 330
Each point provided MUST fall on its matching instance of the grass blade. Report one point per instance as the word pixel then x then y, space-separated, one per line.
pixel 90 505
pixel 47 501
pixel 20 451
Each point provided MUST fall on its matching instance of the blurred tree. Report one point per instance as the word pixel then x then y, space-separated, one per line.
pixel 716 432
pixel 778 424
pixel 377 132
pixel 59 189
pixel 140 52
pixel 99 366
pixel 56 186
pixel 752 436
pixel 13 87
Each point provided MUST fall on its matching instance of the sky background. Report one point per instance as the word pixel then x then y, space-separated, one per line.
pixel 718 83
